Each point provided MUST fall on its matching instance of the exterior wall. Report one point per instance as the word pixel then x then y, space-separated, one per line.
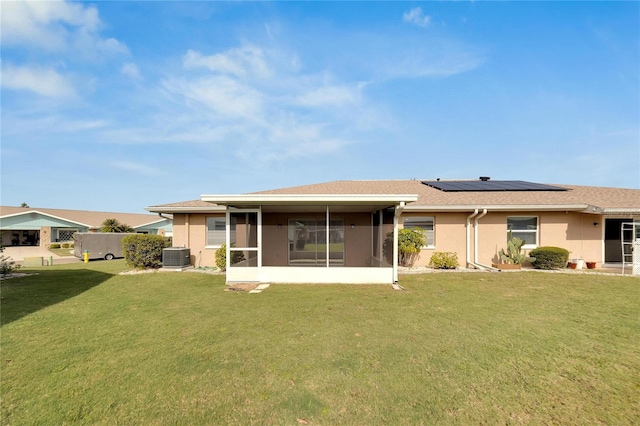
pixel 275 251
pixel 190 230
pixel 576 233
pixel 571 230
pixel 449 233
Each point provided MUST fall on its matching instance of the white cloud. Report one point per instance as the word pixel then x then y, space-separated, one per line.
pixel 42 81
pixel 136 168
pixel 56 26
pixel 226 97
pixel 245 61
pixel 416 17
pixel 130 69
pixel 331 96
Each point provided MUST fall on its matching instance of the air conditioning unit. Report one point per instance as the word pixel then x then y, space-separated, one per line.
pixel 175 257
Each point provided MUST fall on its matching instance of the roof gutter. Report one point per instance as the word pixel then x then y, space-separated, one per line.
pixel 499 207
pixel 475 262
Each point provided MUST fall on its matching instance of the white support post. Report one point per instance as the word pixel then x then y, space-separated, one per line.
pixel 380 236
pixel 259 230
pixel 326 237
pixel 395 246
pixel 227 237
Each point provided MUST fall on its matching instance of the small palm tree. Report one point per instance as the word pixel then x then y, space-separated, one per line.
pixel 112 225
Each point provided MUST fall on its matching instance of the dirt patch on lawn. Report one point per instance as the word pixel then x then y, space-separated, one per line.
pixel 241 287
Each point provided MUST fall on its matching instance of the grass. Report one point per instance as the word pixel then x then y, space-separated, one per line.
pixel 83 345
pixel 62 251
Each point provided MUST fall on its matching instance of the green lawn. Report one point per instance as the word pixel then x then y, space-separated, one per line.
pixel 81 344
pixel 62 252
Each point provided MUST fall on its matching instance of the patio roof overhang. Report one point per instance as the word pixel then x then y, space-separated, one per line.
pixel 282 202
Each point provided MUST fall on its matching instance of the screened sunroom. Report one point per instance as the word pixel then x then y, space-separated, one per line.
pixel 311 239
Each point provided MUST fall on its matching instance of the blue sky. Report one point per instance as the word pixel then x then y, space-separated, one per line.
pixel 117 106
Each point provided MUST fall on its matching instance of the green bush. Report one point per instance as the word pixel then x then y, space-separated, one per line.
pixel 7 265
pixel 550 257
pixel 221 257
pixel 64 245
pixel 54 246
pixel 410 242
pixel 143 250
pixel 444 260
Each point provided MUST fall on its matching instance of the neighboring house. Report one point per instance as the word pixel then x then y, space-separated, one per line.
pixel 336 231
pixel 26 226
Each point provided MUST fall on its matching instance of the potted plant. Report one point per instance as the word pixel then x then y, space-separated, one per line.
pixel 591 265
pixel 513 257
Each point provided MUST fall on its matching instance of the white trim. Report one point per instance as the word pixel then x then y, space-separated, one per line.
pixel 433 229
pixel 536 232
pixel 180 209
pixel 498 207
pixel 298 199
pixel 327 226
pixel 320 275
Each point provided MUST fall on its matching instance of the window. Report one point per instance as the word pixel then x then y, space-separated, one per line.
pixel 216 231
pixel 525 228
pixel 66 234
pixel 426 223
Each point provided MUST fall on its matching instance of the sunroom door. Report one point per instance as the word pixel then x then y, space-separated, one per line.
pixel 243 245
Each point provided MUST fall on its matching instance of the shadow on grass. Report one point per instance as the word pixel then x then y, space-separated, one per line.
pixel 23 296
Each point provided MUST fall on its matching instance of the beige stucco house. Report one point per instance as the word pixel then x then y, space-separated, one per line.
pixel 335 231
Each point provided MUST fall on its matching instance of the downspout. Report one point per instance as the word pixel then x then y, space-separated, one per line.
pixel 164 217
pixel 475 243
pixel 468 245
pixel 396 216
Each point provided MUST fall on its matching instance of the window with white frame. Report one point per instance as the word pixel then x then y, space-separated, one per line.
pixel 426 223
pixel 525 228
pixel 216 231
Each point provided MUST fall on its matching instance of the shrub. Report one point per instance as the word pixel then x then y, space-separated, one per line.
pixel 444 260
pixel 143 250
pixel 410 242
pixel 7 265
pixel 221 257
pixel 64 245
pixel 550 257
pixel 54 246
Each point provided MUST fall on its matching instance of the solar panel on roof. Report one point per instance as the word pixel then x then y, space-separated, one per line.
pixel 490 186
